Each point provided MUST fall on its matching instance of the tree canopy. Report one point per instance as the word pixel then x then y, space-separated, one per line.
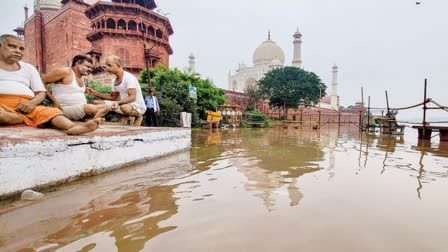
pixel 253 91
pixel 291 87
pixel 171 89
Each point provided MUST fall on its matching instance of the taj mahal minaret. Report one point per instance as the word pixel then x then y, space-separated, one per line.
pixel 334 89
pixel 191 64
pixel 297 58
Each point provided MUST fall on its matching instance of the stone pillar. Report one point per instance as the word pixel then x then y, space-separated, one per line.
pixel 39 40
pixel 334 89
pixel 297 59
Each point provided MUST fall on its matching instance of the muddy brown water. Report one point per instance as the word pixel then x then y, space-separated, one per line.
pixel 253 190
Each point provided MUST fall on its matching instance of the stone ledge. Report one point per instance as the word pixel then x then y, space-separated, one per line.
pixel 32 157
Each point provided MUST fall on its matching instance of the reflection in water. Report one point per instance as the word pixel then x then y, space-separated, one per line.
pixel 320 190
pixel 388 143
pixel 124 208
pixel 269 159
pixel 132 219
pixel 425 176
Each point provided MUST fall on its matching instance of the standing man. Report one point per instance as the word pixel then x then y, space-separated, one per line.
pixel 152 108
pixel 126 86
pixel 68 91
pixel 22 90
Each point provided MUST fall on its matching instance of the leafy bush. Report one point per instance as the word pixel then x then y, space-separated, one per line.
pixel 255 115
pixel 171 89
pixel 105 89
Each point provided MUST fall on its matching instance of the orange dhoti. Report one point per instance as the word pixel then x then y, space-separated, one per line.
pixel 38 116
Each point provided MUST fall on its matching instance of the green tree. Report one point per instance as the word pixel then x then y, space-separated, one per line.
pixel 254 93
pixel 290 87
pixel 171 88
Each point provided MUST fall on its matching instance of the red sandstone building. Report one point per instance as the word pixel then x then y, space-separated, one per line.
pixel 130 29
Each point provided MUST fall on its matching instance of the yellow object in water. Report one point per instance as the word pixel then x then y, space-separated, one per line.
pixel 213 116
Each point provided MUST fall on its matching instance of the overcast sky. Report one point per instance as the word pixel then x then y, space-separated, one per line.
pixel 378 44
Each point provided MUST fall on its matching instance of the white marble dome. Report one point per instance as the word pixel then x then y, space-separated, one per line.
pixel 276 62
pixel 48 4
pixel 267 52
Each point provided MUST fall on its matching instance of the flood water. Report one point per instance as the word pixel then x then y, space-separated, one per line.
pixel 253 190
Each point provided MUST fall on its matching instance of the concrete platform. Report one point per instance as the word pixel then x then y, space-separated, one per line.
pixel 32 157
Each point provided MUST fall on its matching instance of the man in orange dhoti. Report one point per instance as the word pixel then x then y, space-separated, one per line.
pixel 22 90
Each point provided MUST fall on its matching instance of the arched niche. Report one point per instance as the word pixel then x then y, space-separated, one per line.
pixel 234 86
pixel 142 27
pixel 151 31
pixel 159 33
pixel 250 82
pixel 110 23
pixel 132 25
pixel 121 24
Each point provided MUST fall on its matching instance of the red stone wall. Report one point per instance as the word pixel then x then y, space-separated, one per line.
pixel 65 35
pixel 30 42
pixel 312 114
pixel 303 114
pixel 129 49
pixel 236 98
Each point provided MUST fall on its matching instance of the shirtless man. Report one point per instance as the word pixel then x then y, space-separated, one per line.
pixel 22 90
pixel 126 86
pixel 68 90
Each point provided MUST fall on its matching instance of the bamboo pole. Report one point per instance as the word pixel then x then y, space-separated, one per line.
pixel 424 111
pixel 320 100
pixel 361 110
pixel 388 115
pixel 146 55
pixel 339 119
pixel 368 114
pixel 387 104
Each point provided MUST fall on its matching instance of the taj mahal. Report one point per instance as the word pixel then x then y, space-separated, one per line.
pixel 268 56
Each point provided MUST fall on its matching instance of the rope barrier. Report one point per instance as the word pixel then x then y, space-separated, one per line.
pixel 438 105
pixel 413 106
pixel 403 108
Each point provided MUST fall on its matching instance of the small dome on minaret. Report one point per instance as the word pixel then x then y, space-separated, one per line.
pixel 297 34
pixel 191 64
pixel 47 4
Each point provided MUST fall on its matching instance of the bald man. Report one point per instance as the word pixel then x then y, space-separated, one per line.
pixel 126 87
pixel 22 92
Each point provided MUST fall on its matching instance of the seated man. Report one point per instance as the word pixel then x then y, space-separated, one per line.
pixel 68 91
pixel 22 90
pixel 126 86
